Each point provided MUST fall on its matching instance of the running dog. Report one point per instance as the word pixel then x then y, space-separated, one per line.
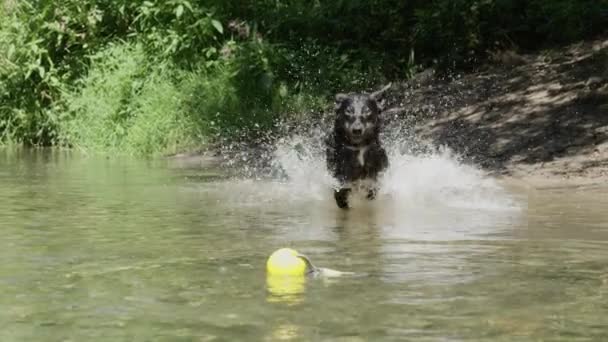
pixel 354 153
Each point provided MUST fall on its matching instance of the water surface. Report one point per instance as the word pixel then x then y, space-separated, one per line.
pixel 103 249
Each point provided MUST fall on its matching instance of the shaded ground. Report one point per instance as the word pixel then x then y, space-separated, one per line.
pixel 538 117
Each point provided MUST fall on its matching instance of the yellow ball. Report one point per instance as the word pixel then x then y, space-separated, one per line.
pixel 285 261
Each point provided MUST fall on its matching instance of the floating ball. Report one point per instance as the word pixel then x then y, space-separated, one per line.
pixel 286 261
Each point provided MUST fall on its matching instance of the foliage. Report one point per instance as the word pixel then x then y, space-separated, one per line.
pixel 99 111
pixel 128 103
pixel 149 76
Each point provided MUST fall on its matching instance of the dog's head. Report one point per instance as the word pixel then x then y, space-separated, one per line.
pixel 358 115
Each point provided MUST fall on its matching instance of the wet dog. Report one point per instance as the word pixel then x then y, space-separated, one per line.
pixel 354 153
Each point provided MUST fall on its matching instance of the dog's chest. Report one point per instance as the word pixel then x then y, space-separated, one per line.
pixel 350 163
pixel 356 157
pixel 361 156
pixel 358 163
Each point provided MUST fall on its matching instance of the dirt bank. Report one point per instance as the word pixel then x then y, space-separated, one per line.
pixel 540 118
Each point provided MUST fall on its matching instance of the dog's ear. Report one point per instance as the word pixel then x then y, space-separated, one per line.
pixel 378 96
pixel 340 99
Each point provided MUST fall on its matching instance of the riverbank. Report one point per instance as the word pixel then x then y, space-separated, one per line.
pixel 538 120
pixel 541 119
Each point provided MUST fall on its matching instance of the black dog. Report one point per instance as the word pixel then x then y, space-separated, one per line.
pixel 354 153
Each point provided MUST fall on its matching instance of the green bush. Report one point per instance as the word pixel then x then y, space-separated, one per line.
pixel 99 107
pixel 126 104
pixel 244 92
pixel 129 103
pixel 153 76
pixel 28 83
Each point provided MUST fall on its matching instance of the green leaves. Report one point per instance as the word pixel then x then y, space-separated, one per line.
pixel 179 11
pixel 218 26
pixel 261 50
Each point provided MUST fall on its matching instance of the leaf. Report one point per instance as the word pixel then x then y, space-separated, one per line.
pixel 11 51
pixel 188 5
pixel 210 52
pixel 218 26
pixel 179 11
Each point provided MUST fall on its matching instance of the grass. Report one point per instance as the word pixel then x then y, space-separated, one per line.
pixel 129 104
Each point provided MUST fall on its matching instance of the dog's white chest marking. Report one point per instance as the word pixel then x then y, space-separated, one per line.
pixel 361 156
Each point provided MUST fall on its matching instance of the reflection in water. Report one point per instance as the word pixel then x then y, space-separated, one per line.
pixel 285 289
pixel 285 332
pixel 94 249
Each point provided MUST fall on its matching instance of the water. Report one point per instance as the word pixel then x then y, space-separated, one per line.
pixel 117 249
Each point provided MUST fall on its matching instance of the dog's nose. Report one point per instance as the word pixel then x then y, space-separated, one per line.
pixel 357 131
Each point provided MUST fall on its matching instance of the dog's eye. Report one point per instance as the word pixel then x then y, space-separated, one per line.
pixel 349 110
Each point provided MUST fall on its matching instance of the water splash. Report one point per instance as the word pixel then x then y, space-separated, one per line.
pixel 302 166
pixel 439 178
pixel 434 177
pixel 291 171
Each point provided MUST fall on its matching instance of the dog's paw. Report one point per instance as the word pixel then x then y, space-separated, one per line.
pixel 371 194
pixel 341 197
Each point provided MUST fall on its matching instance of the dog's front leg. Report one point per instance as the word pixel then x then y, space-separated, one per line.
pixel 372 188
pixel 371 193
pixel 341 197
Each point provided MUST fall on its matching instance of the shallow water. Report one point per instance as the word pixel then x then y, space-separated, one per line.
pixel 111 249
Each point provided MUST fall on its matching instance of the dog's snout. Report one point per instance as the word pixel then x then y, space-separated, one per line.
pixel 357 131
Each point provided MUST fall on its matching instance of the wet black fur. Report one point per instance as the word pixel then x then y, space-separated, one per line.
pixel 342 153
